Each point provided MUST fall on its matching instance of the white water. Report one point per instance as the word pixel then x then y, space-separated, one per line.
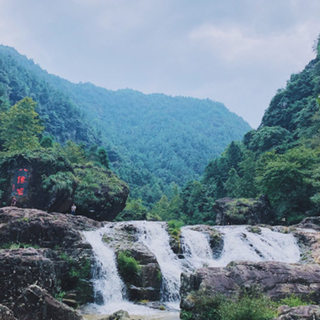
pixel 155 237
pixel 196 248
pixel 239 245
pixel 106 280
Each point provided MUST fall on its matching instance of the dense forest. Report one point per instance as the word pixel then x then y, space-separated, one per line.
pixel 160 144
pixel 53 175
pixel 154 142
pixel 279 160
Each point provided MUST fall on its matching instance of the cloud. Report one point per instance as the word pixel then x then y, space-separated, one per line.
pixel 238 52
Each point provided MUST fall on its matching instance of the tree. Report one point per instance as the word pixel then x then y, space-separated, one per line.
pixel 232 185
pixel 20 127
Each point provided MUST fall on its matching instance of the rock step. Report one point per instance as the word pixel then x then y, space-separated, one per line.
pixel 70 302
pixel 70 295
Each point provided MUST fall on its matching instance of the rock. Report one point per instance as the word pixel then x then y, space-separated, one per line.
pixel 40 228
pixel 311 312
pixel 146 285
pixel 274 279
pixel 22 267
pixel 37 304
pixel 309 243
pixel 243 211
pixel 119 315
pixel 310 223
pixel 109 196
pixel 215 238
pixel 36 182
pixel 63 263
pixel 6 313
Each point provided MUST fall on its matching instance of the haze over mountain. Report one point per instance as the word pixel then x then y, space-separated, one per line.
pixel 153 140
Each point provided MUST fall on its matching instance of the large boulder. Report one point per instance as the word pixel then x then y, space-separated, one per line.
pixel 47 249
pixel 274 279
pixel 311 312
pixel 37 304
pixel 46 180
pixel 22 267
pixel 41 228
pixel 243 211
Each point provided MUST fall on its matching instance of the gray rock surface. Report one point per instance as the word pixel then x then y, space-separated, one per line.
pixel 48 247
pixel 311 312
pixel 37 304
pixel 276 280
pixel 6 313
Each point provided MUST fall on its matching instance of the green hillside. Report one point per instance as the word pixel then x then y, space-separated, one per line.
pixel 281 159
pixel 152 140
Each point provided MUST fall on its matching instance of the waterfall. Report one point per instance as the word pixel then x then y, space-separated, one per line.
pixel 196 248
pixel 109 289
pixel 239 244
pixel 155 237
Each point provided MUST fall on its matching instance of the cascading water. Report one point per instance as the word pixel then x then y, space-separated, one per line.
pixel 108 285
pixel 155 237
pixel 239 244
pixel 196 248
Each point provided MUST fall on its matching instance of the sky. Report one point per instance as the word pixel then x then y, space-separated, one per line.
pixel 238 52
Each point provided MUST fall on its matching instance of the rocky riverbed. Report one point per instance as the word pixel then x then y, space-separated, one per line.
pixel 46 267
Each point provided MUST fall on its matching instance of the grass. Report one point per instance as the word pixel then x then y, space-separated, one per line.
pixel 18 245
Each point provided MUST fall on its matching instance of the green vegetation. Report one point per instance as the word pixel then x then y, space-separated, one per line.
pixel 152 140
pixel 77 278
pixel 20 127
pixel 128 267
pixel 280 159
pixel 247 306
pixel 60 173
pixel 294 301
pixel 18 245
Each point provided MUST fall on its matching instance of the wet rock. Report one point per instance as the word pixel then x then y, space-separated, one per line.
pixel 311 312
pixel 146 284
pixel 119 315
pixel 310 223
pixel 243 211
pixel 276 280
pixel 6 313
pixel 215 238
pixel 37 304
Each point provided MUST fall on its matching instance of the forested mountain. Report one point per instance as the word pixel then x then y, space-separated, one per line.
pixel 152 140
pixel 281 159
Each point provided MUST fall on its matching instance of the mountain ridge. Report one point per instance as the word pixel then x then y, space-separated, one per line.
pixel 153 140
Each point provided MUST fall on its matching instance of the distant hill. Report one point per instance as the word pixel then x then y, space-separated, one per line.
pixel 152 140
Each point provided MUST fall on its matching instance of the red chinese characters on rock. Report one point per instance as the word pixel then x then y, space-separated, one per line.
pixel 20 183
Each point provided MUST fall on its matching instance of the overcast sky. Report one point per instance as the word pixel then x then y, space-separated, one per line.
pixel 238 52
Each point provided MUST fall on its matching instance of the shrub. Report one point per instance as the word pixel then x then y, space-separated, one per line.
pixel 294 301
pixel 219 307
pixel 128 266
pixel 205 307
pixel 248 308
